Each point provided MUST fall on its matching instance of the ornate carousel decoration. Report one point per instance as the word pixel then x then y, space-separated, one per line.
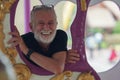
pixel 22 71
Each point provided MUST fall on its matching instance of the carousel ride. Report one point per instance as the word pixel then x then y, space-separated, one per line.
pixel 25 70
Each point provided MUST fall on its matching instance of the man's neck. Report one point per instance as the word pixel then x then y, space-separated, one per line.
pixel 45 46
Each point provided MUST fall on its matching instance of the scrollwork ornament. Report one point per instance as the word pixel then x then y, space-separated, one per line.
pixel 61 76
pixel 2 15
pixel 4 9
pixel 11 53
pixel 86 76
pixel 2 37
pixel 22 71
pixel 6 4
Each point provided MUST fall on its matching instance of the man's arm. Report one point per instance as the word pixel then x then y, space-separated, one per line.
pixel 72 56
pixel 54 64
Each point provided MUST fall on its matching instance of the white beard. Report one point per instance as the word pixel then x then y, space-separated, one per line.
pixel 41 38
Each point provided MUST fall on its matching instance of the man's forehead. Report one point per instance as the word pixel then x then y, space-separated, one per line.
pixel 45 14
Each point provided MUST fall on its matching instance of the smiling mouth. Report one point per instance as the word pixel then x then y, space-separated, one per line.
pixel 46 32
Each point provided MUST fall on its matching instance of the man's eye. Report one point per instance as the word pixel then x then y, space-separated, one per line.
pixel 50 23
pixel 41 23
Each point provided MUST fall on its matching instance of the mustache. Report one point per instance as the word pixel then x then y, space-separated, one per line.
pixel 45 31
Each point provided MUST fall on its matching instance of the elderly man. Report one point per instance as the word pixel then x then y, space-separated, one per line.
pixel 45 46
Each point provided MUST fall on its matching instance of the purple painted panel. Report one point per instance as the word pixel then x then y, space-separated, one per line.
pixel 27 15
pixel 77 30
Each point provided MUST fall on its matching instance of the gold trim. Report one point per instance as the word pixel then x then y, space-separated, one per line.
pixel 61 76
pixel 83 5
pixel 86 76
pixel 2 37
pixel 22 71
pixel 5 5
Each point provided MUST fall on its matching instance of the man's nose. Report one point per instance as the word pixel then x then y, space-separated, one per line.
pixel 46 26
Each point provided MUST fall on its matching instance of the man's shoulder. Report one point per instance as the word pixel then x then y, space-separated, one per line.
pixel 61 32
pixel 28 35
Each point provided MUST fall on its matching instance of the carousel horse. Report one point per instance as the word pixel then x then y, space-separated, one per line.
pixel 77 33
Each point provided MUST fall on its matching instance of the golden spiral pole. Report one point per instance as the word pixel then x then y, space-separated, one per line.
pixel 4 9
pixel 22 71
pixel 2 35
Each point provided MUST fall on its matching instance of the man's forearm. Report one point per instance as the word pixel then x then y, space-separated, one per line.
pixel 50 64
pixel 53 64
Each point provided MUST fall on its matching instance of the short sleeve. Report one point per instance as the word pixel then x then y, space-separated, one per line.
pixel 60 42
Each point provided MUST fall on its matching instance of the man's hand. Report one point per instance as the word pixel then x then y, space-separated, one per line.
pixel 17 40
pixel 72 56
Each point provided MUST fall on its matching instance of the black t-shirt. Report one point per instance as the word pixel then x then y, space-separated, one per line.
pixel 59 43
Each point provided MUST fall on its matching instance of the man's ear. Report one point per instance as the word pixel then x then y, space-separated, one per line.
pixel 56 23
pixel 31 27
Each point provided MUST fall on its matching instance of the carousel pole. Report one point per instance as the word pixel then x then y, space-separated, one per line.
pixel 27 15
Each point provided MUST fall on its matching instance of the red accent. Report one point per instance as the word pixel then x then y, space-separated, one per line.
pixel 113 55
